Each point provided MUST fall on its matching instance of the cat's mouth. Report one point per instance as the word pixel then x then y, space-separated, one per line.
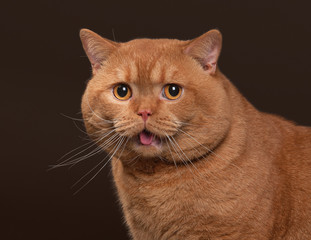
pixel 147 138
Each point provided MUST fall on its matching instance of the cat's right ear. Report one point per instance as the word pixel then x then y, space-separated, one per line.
pixel 96 48
pixel 206 50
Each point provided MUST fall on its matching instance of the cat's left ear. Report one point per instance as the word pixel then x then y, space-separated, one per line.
pixel 206 50
pixel 96 48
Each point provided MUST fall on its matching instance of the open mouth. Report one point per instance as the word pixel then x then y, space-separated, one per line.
pixel 147 138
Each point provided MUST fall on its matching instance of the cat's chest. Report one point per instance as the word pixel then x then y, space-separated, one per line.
pixel 166 206
pixel 159 209
pixel 170 206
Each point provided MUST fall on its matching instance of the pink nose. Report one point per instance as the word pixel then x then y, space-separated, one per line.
pixel 144 114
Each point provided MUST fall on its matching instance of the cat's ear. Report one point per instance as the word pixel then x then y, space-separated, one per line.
pixel 206 49
pixel 96 48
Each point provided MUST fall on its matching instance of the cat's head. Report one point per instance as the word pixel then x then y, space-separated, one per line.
pixel 156 97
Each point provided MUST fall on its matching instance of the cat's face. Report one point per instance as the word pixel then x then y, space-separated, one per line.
pixel 154 98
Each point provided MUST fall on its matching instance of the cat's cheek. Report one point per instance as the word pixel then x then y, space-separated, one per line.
pixel 184 111
pixel 110 105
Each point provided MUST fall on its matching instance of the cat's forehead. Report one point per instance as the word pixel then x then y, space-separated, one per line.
pixel 152 70
pixel 151 45
pixel 149 60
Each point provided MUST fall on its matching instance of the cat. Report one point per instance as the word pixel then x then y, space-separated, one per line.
pixel 191 157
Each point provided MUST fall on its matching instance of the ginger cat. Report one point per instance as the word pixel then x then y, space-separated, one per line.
pixel 191 157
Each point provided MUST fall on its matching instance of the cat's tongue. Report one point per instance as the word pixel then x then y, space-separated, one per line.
pixel 145 138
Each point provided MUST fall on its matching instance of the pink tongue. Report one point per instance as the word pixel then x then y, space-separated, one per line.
pixel 145 138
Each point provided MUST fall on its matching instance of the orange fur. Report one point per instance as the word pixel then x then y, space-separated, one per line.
pixel 224 169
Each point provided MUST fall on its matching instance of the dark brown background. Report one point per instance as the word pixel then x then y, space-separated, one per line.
pixel 266 54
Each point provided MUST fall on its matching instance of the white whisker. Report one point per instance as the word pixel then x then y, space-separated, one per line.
pixel 167 143
pixel 210 151
pixel 101 168
pixel 72 160
pixel 186 156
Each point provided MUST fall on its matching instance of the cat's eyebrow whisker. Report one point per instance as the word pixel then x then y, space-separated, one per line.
pixel 101 168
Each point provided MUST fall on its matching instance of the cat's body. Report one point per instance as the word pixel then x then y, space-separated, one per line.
pixel 215 167
pixel 261 190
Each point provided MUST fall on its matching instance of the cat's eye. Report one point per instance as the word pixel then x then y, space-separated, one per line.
pixel 122 92
pixel 172 91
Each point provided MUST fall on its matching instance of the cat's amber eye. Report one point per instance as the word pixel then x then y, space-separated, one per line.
pixel 172 91
pixel 122 92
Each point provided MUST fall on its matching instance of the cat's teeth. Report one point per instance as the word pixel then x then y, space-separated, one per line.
pixel 145 138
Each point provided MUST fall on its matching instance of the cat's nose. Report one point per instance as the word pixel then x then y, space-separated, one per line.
pixel 144 114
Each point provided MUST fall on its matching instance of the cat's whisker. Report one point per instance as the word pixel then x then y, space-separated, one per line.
pixel 101 168
pixel 79 159
pixel 119 137
pixel 96 142
pixel 102 132
pixel 189 160
pixel 99 149
pixel 169 148
pixel 72 118
pixel 133 159
pixel 210 151
pixel 79 128
pixel 199 153
pixel 187 123
pixel 178 154
pixel 109 141
pixel 173 146
pixel 91 143
pixel 70 161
